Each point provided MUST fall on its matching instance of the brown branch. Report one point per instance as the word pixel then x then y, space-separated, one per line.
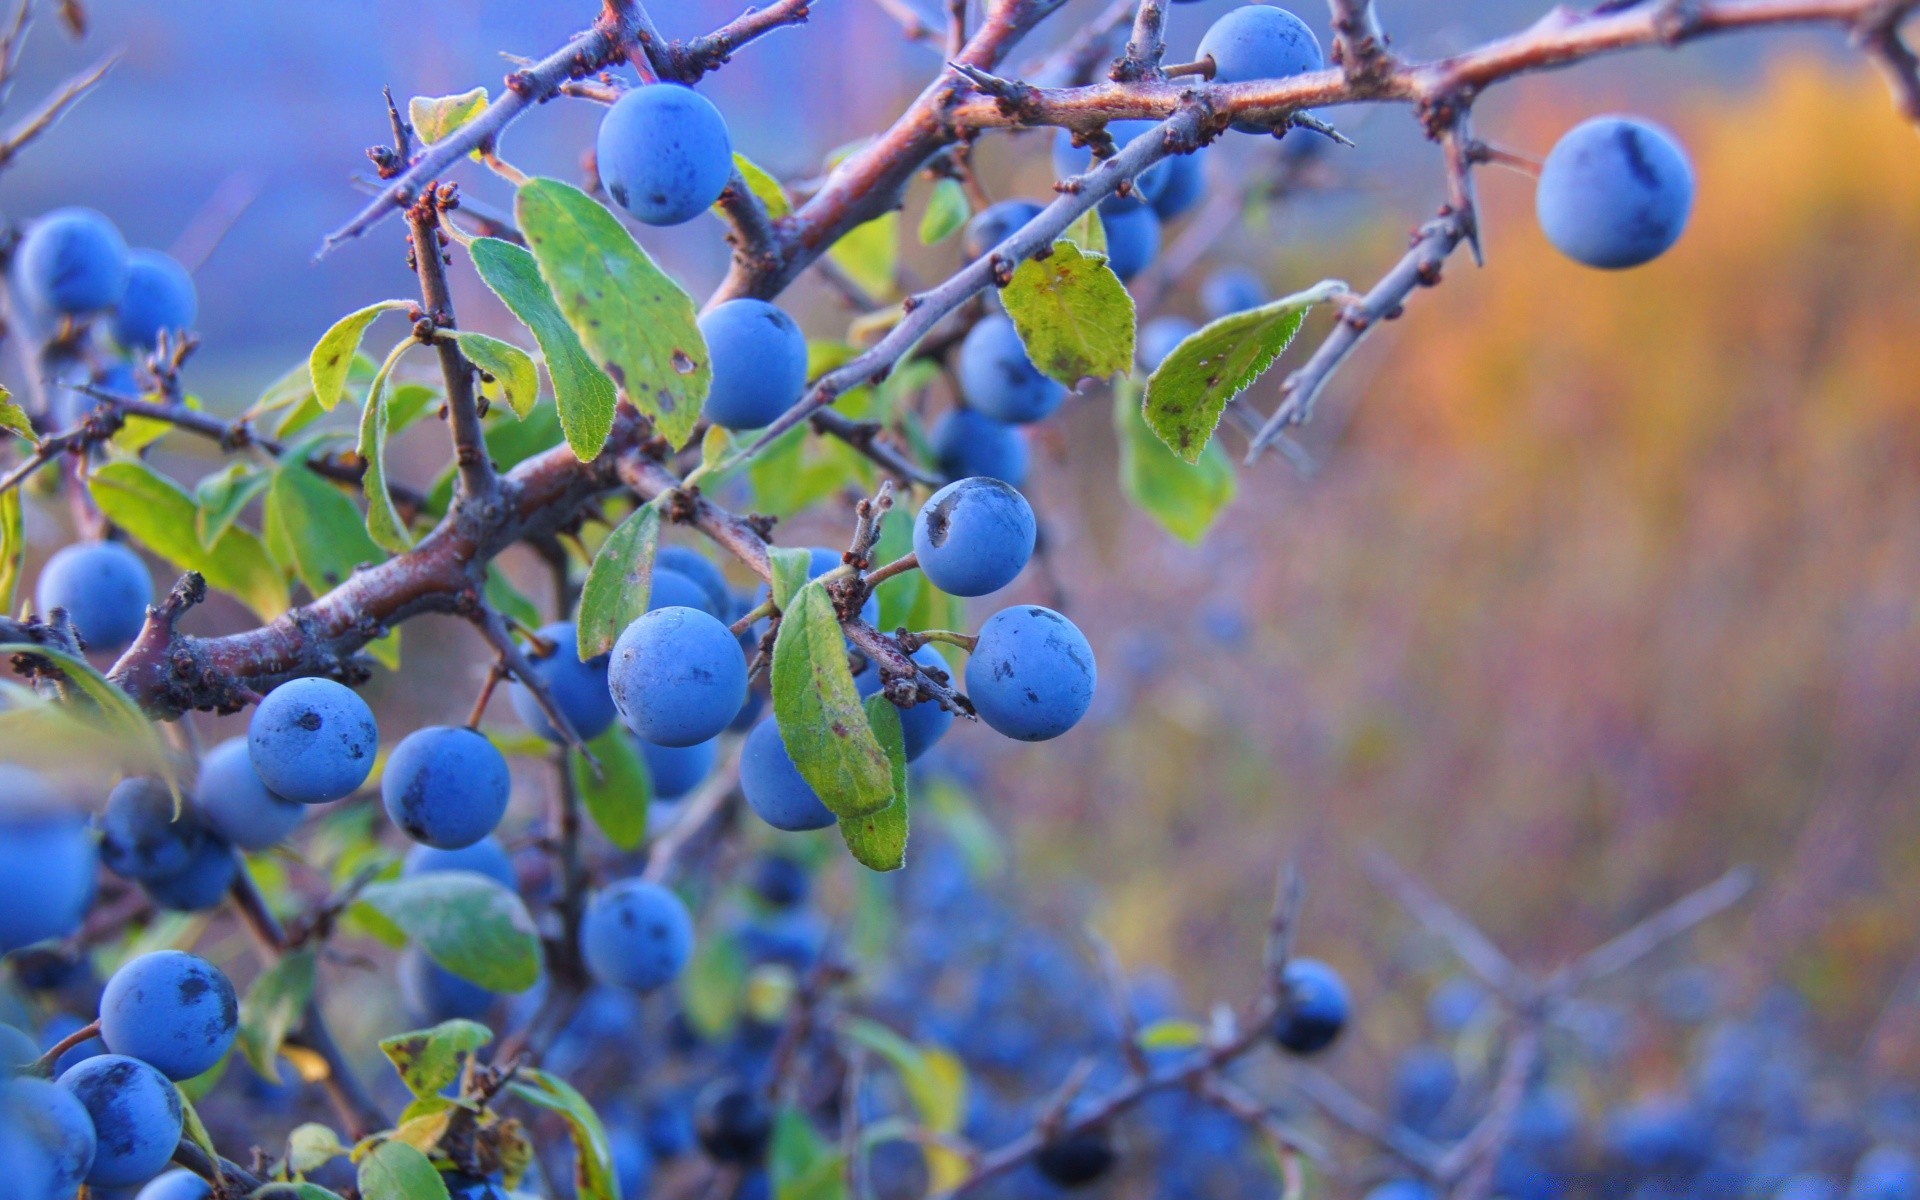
pixel 1147 45
pixel 429 241
pixel 53 108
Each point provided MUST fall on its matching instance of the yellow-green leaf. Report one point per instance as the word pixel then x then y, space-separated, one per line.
pixel 821 720
pixel 947 212
pixel 427 1060
pixel 334 353
pixel 870 254
pixel 878 840
pixel 618 798
pixel 397 1171
pixel 158 513
pixel 509 370
pixel 513 274
pixel 14 418
pixel 434 117
pixel 593 1177
pixel 1185 498
pixel 271 1008
pixel 763 185
pixel 13 546
pixel 317 526
pixel 619 582
pixel 384 525
pixel 467 923
pixel 1073 314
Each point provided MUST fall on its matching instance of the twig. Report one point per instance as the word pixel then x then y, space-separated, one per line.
pixel 477 483
pixel 53 108
pixel 1486 959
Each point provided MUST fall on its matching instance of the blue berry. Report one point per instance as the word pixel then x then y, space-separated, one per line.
pixel 17 1050
pixel 780 882
pixel 636 935
pixel 677 770
pixel 1614 192
pixel 1886 1172
pixel 823 560
pixel 677 676
pixel 176 1185
pixel 173 1011
pixel 1230 290
pixel 1133 241
pixel 1076 1160
pixel 732 1122
pixel 140 838
pixel 1070 160
pixel 774 787
pixel 1031 675
pixel 30 1166
pixel 431 994
pixel 759 362
pixel 967 443
pixel 632 1161
pixel 1256 41
pixel 701 569
pixel 47 862
pixel 485 857
pixel 664 153
pixel 159 296
pixel 922 724
pixel 136 1117
pixel 995 224
pixel 578 688
pixel 998 378
pixel 974 536
pixel 470 1187
pixel 1183 186
pixel 103 586
pixel 72 261
pixel 1402 1189
pixel 230 800
pixel 446 786
pixel 312 740
pixel 671 589
pixel 1317 1007
pixel 1159 338
pixel 203 885
pixel 60 1124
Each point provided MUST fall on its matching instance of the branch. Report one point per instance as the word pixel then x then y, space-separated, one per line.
pixel 53 108
pixel 1444 922
pixel 1147 45
pixel 1654 932
pixel 477 482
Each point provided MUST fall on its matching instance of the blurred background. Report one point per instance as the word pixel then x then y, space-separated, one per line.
pixel 1599 584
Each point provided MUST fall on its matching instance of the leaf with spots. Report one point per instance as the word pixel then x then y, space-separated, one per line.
pixel 1191 387
pixel 430 1059
pixel 821 720
pixel 579 386
pixel 1073 314
pixel 593 1176
pixel 333 355
pixel 509 370
pixel 619 583
pixel 14 419
pixel 878 840
pixel 1185 498
pixel 465 922
pixel 313 523
pixel 397 1171
pixel 630 316
pixel 272 1007
pixel 435 117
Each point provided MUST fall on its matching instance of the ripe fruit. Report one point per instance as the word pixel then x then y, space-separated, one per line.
pixel 967 443
pixel 135 1113
pixel 922 724
pixel 140 838
pixel 578 688
pixel 1133 241
pixel 636 935
pixel 446 786
pixel 1032 674
pixel 677 770
pixel 995 224
pixel 1183 186
pixel 1614 192
pixel 779 881
pixel 1159 337
pixel 173 1011
pixel 1230 290
pixel 677 676
pixel 47 862
pixel 1402 1189
pixel 671 589
pixel 1317 1007
pixel 1076 1160
pixel 72 261
pixel 701 569
pixel 1255 41
pixel 759 362
pixel 202 885
pixel 29 1163
pixel 431 994
pixel 469 1187
pixel 17 1050
pixel 61 1126
pixel 774 787
pixel 485 857
pixel 974 536
pixel 176 1185
pixel 230 800
pixel 1070 160
pixel 312 740
pixel 998 378
pixel 732 1122
pixel 664 153
pixel 103 586
pixel 159 296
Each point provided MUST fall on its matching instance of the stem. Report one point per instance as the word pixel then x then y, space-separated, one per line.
pixel 899 566
pixel 966 641
pixel 477 481
pixel 43 1067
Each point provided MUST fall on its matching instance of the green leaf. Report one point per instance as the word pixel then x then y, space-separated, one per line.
pixel 898 595
pixel 158 513
pixel 1191 387
pixel 878 840
pixel 1172 1033
pixel 579 386
pixel 635 320
pixel 514 378
pixel 765 186
pixel 272 1007
pixel 936 1082
pixel 947 212
pixel 800 469
pixel 311 1146
pixel 593 1177
pixel 397 1171
pixel 712 985
pixel 1088 232
pixel 791 566
pixel 618 799
pixel 434 117
pixel 194 1130
pixel 14 418
pixel 1073 313
pixel 870 254
pixel 333 355
pixel 384 525
pixel 407 403
pixel 801 1163
pixel 821 721
pixel 221 497
pixel 293 1191
pixel 510 600
pixel 618 583
pixel 315 523
pixel 430 1059
pixel 13 546
pixel 465 922
pixel 1185 498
